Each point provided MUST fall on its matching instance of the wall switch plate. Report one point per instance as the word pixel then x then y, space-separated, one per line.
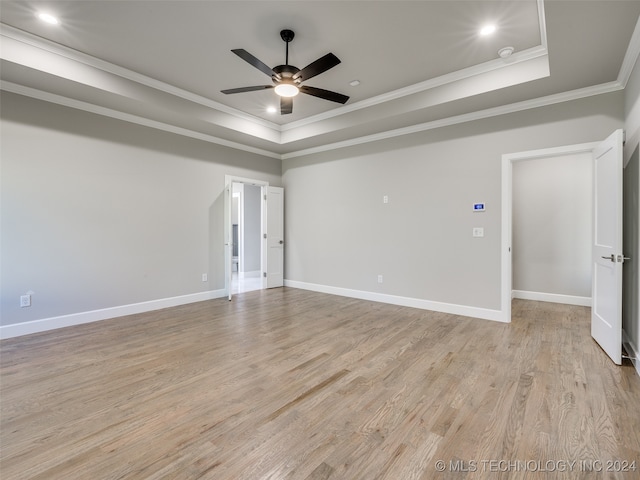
pixel 25 301
pixel 478 232
pixel 379 278
pixel 204 277
pixel 385 199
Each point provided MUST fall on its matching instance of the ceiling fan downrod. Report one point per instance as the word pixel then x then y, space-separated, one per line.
pixel 287 36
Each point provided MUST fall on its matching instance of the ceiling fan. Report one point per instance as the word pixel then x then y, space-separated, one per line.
pixel 287 79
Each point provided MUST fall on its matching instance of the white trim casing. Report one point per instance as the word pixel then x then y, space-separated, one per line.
pixel 45 324
pixel 464 310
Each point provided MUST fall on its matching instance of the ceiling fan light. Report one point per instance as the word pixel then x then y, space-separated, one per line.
pixel 287 90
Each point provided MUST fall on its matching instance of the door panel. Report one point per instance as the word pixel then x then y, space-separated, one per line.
pixel 606 310
pixel 275 237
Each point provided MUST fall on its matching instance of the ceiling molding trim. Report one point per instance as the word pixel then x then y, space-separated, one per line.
pixel 83 58
pixel 543 24
pixel 94 62
pixel 496 64
pixel 467 117
pixel 630 57
pixel 127 117
pixel 523 56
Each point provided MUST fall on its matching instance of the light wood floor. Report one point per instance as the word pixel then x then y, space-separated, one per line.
pixel 290 384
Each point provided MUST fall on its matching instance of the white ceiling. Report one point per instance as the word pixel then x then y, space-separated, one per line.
pixel 420 63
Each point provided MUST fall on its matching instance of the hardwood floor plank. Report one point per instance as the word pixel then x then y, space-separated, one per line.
pixel 291 384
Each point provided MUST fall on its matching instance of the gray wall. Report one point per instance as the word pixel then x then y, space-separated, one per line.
pixel 252 228
pixel 96 212
pixel 552 225
pixel 631 231
pixel 340 234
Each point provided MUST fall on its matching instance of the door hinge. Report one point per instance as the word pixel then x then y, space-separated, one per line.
pixel 265 235
pixel 264 274
pixel 265 197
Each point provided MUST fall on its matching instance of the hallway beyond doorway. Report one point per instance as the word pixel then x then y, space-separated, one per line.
pixel 243 283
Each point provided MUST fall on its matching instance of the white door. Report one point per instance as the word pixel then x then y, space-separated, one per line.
pixel 606 294
pixel 228 238
pixel 275 237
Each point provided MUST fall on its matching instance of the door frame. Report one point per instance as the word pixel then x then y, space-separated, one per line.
pixel 228 181
pixel 507 211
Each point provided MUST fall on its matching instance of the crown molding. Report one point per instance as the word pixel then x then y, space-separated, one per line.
pixel 467 117
pixel 542 22
pixel 632 53
pixel 630 57
pixel 444 122
pixel 432 83
pixel 463 74
pixel 127 117
pixel 102 65
pixel 90 61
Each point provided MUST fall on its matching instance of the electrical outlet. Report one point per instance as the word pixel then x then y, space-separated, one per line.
pixel 478 232
pixel 379 278
pixel 204 277
pixel 25 301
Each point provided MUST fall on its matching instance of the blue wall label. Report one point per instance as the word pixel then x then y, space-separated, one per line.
pixel 478 207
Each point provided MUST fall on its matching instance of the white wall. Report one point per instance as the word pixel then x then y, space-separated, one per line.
pixel 99 213
pixel 552 225
pixel 339 234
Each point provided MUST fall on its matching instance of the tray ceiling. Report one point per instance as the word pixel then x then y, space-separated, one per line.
pixel 163 63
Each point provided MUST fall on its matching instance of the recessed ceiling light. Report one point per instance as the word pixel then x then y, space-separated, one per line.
pixel 48 18
pixel 487 30
pixel 272 109
pixel 354 83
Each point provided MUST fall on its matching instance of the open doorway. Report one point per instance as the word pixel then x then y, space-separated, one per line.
pixel 258 222
pixel 246 223
pixel 547 272
pixel 552 201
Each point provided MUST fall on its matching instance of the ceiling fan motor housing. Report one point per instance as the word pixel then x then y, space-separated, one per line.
pixel 285 73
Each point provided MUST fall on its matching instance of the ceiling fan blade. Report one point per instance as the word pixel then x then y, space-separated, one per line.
pixel 247 57
pixel 286 105
pixel 316 68
pixel 324 94
pixel 246 89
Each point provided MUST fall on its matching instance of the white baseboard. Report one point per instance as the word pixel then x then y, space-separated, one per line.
pixel 632 350
pixel 44 324
pixel 483 313
pixel 552 297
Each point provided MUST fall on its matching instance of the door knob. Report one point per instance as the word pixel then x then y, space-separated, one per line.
pixel 281 242
pixel 618 258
